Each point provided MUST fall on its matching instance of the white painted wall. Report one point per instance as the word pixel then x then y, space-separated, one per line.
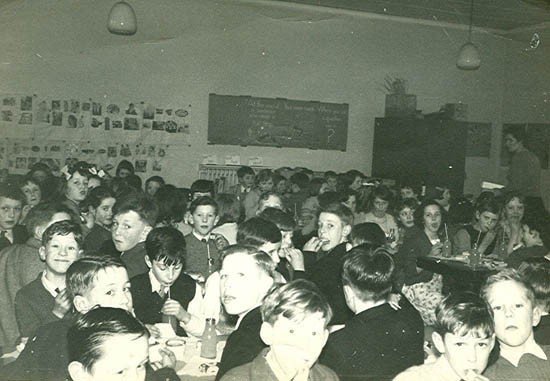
pixel 186 49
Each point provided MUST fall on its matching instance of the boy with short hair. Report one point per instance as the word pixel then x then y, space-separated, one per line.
pixel 464 335
pixel 91 281
pixel 134 217
pixel 202 188
pixel 45 299
pixel 379 341
pixel 535 237
pixel 20 264
pixel 334 227
pixel 165 289
pixel 331 178
pixel 11 205
pixel 245 278
pixel 245 176
pixel 515 314
pixel 203 247
pixel 295 318
pixel 536 272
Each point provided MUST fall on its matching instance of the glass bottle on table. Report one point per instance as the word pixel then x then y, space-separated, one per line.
pixel 475 256
pixel 446 250
pixel 170 319
pixel 209 340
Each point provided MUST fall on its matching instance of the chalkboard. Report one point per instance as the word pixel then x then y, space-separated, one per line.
pixel 277 122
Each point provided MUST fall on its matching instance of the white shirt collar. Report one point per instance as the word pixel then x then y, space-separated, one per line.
pixel 200 237
pixel 514 356
pixel 49 286
pixel 155 284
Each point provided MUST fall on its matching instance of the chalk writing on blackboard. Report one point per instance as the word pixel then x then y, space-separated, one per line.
pixel 277 122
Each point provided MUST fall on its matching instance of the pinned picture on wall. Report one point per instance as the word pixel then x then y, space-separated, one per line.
pixel 25 118
pixel 107 124
pixel 116 124
pixel 8 101
pixel 157 166
pixel 65 106
pixel 56 105
pixel 146 125
pixel 26 103
pixel 75 106
pixel 125 150
pixel 6 116
pixel 86 106
pixel 112 151
pixel 141 166
pixel 72 121
pixel 131 124
pixel 42 113
pixel 148 112
pixel 96 123
pixel 158 125
pixel 21 163
pixel 131 110
pixel 96 108
pixel 57 118
pixel 171 126
pixel 113 109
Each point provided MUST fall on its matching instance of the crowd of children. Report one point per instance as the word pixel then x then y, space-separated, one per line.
pixel 315 277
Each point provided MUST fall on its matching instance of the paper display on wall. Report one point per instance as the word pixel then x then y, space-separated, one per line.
pixel 57 130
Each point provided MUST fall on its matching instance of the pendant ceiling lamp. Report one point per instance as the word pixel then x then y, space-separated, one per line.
pixel 122 19
pixel 468 57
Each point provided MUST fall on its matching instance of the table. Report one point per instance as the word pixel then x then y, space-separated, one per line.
pixel 188 360
pixel 459 275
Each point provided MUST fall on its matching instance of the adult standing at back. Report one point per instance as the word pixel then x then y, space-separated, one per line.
pixel 524 171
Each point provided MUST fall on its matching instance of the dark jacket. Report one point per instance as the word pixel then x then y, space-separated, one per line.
pixel 97 236
pixel 147 304
pixel 376 344
pixel 326 273
pixel 33 307
pixel 244 344
pixel 20 235
pixel 416 245
pixel 46 357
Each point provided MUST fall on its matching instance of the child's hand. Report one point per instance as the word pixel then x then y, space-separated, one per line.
pixel 173 307
pixel 168 360
pixel 62 304
pixel 294 257
pixel 393 301
pixel 220 241
pixel 436 249
pixel 314 244
pixel 153 330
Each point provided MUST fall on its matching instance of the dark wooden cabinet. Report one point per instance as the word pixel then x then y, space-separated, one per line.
pixel 426 151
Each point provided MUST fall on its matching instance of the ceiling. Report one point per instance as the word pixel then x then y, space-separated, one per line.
pixel 505 16
pixel 498 15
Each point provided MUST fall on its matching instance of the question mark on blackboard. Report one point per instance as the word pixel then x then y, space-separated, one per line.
pixel 331 133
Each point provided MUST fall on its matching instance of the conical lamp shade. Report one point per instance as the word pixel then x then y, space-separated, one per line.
pixel 468 58
pixel 122 19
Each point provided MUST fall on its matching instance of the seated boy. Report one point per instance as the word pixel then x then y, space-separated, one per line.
pixel 335 222
pixel 291 264
pixel 536 272
pixel 20 264
pixel 464 335
pixel 295 318
pixel 94 348
pixel 11 205
pixel 91 282
pixel 535 237
pixel 203 247
pixel 245 176
pixel 45 299
pixel 379 341
pixel 515 314
pixel 245 278
pixel 202 188
pixel 134 217
pixel 165 289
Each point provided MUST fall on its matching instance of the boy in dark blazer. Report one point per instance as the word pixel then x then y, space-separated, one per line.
pixel 165 289
pixel 379 341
